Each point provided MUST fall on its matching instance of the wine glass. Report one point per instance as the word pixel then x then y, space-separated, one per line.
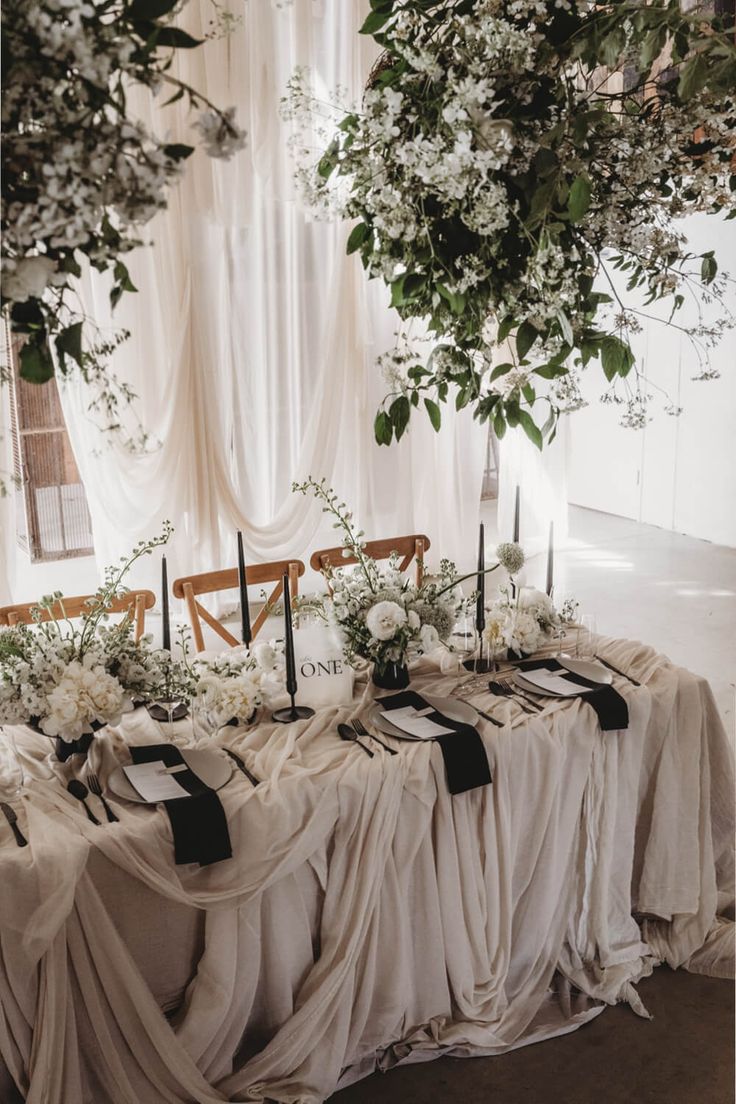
pixel 586 636
pixel 12 779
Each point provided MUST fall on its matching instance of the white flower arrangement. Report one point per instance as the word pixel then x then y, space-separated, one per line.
pixel 523 623
pixel 232 685
pixel 81 174
pixel 497 181
pixel 383 615
pixel 66 679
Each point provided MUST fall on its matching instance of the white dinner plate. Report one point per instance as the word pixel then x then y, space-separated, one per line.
pixel 526 682
pixel 586 668
pixel 452 708
pixel 213 769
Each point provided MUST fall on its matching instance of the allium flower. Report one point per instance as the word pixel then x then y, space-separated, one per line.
pixel 384 619
pixel 511 556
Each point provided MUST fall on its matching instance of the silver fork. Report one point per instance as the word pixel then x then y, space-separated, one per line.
pixel 94 784
pixel 363 731
pixel 501 689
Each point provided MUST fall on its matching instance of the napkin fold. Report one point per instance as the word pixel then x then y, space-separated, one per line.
pixel 198 822
pixel 610 707
pixel 466 762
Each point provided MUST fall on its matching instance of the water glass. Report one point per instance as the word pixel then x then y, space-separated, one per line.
pixel 464 637
pixel 586 636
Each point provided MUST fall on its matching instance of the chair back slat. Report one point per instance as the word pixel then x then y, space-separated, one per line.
pixel 210 582
pixel 133 604
pixel 410 547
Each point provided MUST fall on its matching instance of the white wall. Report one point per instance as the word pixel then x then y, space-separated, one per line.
pixel 677 473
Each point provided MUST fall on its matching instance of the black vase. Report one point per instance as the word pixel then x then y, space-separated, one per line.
pixel 394 676
pixel 66 748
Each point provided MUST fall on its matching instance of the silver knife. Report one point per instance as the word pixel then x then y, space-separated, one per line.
pixel 241 766
pixel 12 818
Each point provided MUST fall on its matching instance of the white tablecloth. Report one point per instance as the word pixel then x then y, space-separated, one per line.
pixel 367 917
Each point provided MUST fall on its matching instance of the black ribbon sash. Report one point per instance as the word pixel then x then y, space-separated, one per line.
pixel 198 822
pixel 466 762
pixel 610 707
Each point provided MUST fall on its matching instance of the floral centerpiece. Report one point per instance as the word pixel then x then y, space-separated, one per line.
pixel 230 686
pixel 384 616
pixel 516 174
pixel 67 680
pixel 519 625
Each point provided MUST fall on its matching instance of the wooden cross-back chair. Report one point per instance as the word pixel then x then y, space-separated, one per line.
pixel 410 547
pixel 134 603
pixel 189 586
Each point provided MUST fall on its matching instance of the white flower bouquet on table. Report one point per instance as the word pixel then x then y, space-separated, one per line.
pixel 230 686
pixel 520 625
pixel 384 616
pixel 67 680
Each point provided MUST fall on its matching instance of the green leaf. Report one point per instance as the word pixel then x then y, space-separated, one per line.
pixel 177 151
pixel 565 328
pixel 526 335
pixel 397 292
pixel 578 200
pixel 499 370
pixel 499 424
pixel 708 268
pixel 150 9
pixel 505 328
pixel 399 412
pixel 122 276
pixel 616 357
pixel 374 22
pixel 174 36
pixel 435 415
pixel 383 428
pixel 693 76
pixel 550 371
pixel 531 429
pixel 36 364
pixel 69 342
pixel 357 236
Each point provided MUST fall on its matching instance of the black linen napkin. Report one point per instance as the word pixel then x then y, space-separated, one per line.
pixel 198 822
pixel 466 762
pixel 610 707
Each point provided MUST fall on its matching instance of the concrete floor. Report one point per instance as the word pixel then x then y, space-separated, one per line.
pixel 684 1055
pixel 678 594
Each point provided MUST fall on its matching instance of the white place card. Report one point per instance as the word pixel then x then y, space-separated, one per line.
pixel 553 684
pixel 152 782
pixel 414 723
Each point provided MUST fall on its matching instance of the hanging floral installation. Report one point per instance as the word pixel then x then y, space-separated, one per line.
pixel 517 169
pixel 82 175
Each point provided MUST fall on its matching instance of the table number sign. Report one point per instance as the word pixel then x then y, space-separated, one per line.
pixel 324 676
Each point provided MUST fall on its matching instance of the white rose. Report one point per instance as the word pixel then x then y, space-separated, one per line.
pixel 414 621
pixel 384 619
pixel 29 279
pixel 264 655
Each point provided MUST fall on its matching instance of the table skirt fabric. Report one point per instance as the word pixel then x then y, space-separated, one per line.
pixel 367 917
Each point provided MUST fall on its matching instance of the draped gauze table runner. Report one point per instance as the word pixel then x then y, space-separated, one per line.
pixel 367 917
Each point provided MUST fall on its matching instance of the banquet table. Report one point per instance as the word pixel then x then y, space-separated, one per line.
pixel 367 917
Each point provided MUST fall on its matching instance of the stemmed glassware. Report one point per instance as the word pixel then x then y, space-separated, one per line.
pixel 585 636
pixel 464 636
pixel 12 779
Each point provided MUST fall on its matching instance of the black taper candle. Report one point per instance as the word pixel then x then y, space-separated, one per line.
pixel 480 602
pixel 517 512
pixel 289 642
pixel 551 559
pixel 166 626
pixel 246 633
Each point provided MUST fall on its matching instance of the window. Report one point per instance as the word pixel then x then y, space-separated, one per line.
pixel 52 516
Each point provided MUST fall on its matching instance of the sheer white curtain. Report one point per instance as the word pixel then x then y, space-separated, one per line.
pixel 254 339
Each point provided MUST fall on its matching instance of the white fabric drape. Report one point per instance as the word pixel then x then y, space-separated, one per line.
pixel 254 339
pixel 367 918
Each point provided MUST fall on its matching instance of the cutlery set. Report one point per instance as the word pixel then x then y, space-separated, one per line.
pixel 355 730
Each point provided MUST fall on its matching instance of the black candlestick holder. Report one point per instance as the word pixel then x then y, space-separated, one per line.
pixel 292 712
pixel 478 665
